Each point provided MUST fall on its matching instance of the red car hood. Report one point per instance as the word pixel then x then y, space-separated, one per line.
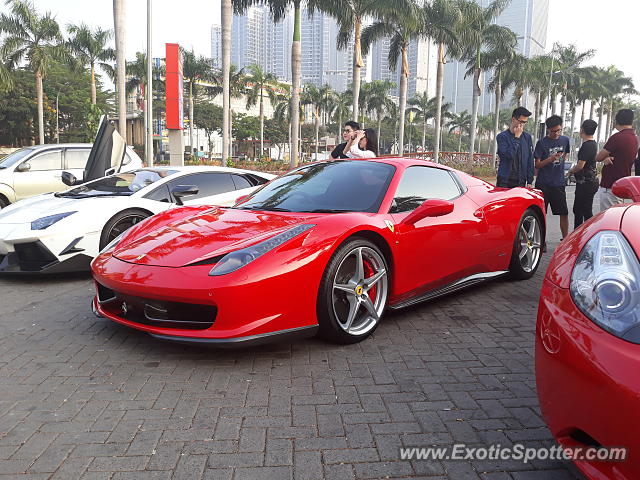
pixel 631 226
pixel 205 235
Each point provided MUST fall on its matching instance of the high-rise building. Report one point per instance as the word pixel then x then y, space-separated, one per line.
pixel 216 46
pixel 422 66
pixel 248 37
pixel 278 40
pixel 528 19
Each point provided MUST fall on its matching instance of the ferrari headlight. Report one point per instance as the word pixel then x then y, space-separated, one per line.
pixel 605 285
pixel 46 222
pixel 112 244
pixel 238 259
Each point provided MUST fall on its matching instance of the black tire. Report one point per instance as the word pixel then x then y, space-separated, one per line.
pixel 3 202
pixel 121 222
pixel 366 297
pixel 523 268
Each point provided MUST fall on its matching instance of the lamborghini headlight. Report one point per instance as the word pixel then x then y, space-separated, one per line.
pixel 234 260
pixel 46 222
pixel 605 285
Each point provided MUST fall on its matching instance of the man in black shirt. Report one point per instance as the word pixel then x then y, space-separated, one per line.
pixel 348 132
pixel 585 173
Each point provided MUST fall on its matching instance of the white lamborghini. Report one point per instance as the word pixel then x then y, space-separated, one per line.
pixel 64 231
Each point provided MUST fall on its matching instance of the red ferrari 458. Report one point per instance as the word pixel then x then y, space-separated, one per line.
pixel 588 340
pixel 326 247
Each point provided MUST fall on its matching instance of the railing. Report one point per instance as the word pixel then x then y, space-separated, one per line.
pixel 481 166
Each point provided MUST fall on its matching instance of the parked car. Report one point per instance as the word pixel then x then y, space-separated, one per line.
pixel 38 169
pixel 64 231
pixel 326 247
pixel 588 338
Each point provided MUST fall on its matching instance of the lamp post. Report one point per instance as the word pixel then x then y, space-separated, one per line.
pixel 149 93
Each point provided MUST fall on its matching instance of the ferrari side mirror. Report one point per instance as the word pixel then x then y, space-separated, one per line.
pixel 432 207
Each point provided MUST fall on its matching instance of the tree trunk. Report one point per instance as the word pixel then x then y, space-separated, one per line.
pixel 357 65
pixel 460 141
pixel 610 119
pixel 379 128
pixel 119 29
pixel 39 95
pixel 424 132
pixel 496 112
pixel 582 112
pixel 93 84
pixel 403 99
pixel 563 105
pixel 295 87
pixel 592 109
pixel 439 87
pixel 474 111
pixel 226 67
pixel 190 118
pixel 261 125
pixel 317 131
pixel 536 116
pixel 601 127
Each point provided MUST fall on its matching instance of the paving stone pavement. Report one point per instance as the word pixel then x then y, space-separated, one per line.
pixel 85 398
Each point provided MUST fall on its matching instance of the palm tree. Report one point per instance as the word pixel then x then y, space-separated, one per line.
pixel 402 24
pixel 538 69
pixel 260 83
pixel 617 84
pixel 379 101
pixel 568 64
pixel 121 62
pixel 425 109
pixel 349 15
pixel 509 70
pixel 342 108
pixel 226 20
pixel 316 98
pixel 459 122
pixel 195 69
pixel 237 85
pixel 34 38
pixel 479 33
pixel 440 21
pixel 90 48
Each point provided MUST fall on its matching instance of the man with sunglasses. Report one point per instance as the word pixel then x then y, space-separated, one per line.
pixel 348 132
pixel 550 155
pixel 515 151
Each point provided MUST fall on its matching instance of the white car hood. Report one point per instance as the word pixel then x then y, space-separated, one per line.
pixel 31 209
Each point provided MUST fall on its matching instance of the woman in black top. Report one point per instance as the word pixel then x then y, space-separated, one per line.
pixel 585 174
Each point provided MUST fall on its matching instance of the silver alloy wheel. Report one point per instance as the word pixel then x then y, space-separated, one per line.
pixel 359 292
pixel 529 239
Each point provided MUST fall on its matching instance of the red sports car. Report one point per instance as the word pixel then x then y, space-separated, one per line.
pixel 588 336
pixel 327 246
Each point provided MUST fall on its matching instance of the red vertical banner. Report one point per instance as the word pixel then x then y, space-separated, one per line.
pixel 174 87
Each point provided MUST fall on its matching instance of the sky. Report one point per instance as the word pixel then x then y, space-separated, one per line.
pixel 609 27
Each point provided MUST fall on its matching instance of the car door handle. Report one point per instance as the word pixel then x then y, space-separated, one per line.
pixel 478 214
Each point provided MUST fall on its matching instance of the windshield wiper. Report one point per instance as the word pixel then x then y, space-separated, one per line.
pixel 266 209
pixel 326 210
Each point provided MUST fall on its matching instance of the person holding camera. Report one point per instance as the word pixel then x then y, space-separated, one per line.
pixel 550 154
pixel 362 144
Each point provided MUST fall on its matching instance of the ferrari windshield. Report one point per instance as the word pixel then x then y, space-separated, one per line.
pixel 335 186
pixel 118 184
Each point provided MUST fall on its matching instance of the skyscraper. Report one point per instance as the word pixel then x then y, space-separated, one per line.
pixel 528 19
pixel 216 46
pixel 248 44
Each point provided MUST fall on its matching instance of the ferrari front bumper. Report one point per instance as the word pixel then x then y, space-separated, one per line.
pixel 185 304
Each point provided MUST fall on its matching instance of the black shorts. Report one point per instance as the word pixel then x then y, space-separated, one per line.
pixel 557 198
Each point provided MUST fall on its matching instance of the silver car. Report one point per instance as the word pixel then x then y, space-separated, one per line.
pixel 34 170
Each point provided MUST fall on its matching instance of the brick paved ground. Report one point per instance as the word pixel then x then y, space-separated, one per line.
pixel 82 397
